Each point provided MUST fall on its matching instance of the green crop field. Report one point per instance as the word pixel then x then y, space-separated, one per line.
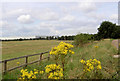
pixel 104 53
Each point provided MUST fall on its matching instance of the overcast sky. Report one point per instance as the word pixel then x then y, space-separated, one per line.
pixel 55 18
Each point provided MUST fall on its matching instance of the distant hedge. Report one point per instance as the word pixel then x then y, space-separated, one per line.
pixel 82 39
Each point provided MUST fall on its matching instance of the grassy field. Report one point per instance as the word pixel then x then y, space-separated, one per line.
pixel 104 53
pixel 14 49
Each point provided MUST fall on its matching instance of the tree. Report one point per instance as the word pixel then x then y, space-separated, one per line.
pixel 106 29
pixel 116 33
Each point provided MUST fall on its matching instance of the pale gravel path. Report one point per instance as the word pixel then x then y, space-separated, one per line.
pixel 115 43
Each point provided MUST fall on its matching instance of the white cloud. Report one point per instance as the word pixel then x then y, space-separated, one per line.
pixel 87 6
pixel 48 16
pixel 68 18
pixel 43 24
pixel 96 16
pixel 49 25
pixel 114 17
pixel 26 19
pixel 3 23
pixel 53 31
pixel 82 29
pixel 42 14
pixel 14 13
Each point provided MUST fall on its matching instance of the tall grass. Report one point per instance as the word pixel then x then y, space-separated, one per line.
pixel 104 53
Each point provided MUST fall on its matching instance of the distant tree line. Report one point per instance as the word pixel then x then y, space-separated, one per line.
pixel 66 37
pixel 56 38
pixel 44 38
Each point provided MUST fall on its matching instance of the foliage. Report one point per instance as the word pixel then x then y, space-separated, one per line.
pixel 116 33
pixel 82 39
pixel 108 30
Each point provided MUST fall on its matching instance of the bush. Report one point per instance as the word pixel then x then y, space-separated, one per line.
pixel 82 39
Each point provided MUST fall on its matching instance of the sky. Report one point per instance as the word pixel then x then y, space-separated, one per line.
pixel 25 19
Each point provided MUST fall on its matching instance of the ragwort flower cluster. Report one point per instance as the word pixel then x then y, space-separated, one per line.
pixel 62 49
pixel 54 71
pixel 25 75
pixel 96 46
pixel 91 64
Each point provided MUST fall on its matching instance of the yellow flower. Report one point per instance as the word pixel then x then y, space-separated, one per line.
pixel 82 61
pixel 36 72
pixel 35 69
pixel 88 69
pixel 96 46
pixel 91 64
pixel 55 78
pixel 25 69
pixel 72 52
pixel 34 77
pixel 18 63
pixel 28 75
pixel 20 78
pixel 62 48
pixel 41 72
pixel 95 60
pixel 98 62
pixel 22 70
pixel 99 67
pixel 54 71
pixel 61 74
pixel 47 70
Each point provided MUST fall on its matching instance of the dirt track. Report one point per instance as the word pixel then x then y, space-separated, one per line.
pixel 115 43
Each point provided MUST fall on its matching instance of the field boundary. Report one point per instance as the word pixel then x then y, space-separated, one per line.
pixel 26 61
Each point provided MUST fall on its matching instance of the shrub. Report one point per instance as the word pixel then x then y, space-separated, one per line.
pixel 82 39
